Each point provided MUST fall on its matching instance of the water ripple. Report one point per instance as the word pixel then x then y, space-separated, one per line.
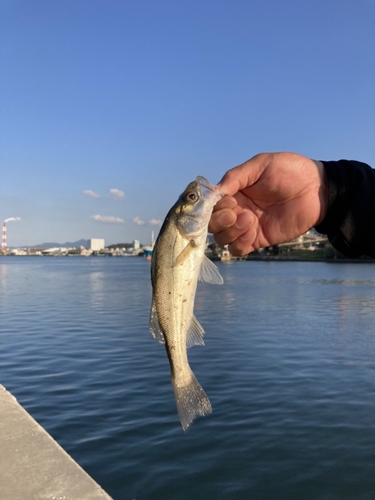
pixel 288 366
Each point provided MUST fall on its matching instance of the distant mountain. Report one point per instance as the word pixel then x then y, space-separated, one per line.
pixel 83 243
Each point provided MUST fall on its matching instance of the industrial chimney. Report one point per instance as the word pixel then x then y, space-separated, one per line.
pixel 4 232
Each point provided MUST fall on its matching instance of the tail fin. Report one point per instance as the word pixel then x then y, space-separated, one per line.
pixel 191 400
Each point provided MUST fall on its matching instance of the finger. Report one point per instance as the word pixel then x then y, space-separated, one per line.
pixel 225 202
pixel 244 244
pixel 221 220
pixel 243 222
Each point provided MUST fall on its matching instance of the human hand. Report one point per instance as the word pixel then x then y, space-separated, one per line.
pixel 271 199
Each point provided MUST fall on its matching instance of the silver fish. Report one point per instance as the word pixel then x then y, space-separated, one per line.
pixel 178 261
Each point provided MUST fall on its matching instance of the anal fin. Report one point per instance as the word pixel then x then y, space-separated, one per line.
pixel 195 333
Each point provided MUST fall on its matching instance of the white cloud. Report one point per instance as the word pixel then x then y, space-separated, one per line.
pixel 117 194
pixel 90 193
pixel 155 222
pixel 139 221
pixel 107 219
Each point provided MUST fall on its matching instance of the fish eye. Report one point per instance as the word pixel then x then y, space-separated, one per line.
pixel 191 196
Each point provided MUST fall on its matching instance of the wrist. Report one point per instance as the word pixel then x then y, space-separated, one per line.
pixel 323 191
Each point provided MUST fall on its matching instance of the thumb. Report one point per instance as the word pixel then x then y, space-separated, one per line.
pixel 243 176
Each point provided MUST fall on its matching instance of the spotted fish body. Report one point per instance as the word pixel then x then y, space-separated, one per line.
pixel 178 262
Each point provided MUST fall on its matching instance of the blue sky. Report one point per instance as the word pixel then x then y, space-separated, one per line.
pixel 129 101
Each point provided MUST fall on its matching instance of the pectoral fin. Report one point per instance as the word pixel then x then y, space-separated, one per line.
pixel 209 273
pixel 185 254
pixel 154 325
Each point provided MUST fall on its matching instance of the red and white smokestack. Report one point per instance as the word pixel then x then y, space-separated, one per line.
pixel 4 236
pixel 4 233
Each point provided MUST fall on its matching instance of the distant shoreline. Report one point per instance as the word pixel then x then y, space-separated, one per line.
pixel 342 260
pixel 265 258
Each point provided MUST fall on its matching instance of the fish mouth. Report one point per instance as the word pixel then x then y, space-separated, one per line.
pixel 205 183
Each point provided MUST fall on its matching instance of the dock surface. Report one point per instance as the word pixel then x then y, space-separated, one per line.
pixel 32 465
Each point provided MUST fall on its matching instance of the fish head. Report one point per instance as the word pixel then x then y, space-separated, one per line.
pixel 194 206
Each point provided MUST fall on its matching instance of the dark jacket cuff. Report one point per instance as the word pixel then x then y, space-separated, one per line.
pixel 350 219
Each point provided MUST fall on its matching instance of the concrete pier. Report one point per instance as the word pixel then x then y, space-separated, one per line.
pixel 32 465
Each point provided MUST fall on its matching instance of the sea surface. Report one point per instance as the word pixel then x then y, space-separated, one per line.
pixel 289 367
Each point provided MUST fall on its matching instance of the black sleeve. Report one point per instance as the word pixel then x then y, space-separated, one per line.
pixel 350 219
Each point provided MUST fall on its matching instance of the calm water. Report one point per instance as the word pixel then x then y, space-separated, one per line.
pixel 289 367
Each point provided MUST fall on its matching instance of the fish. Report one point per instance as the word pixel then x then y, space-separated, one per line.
pixel 178 262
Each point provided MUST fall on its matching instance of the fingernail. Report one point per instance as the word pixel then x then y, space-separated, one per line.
pixel 243 220
pixel 246 236
pixel 225 219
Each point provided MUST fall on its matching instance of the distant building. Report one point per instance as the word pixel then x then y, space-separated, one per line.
pixel 54 251
pixel 97 244
pixel 136 245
